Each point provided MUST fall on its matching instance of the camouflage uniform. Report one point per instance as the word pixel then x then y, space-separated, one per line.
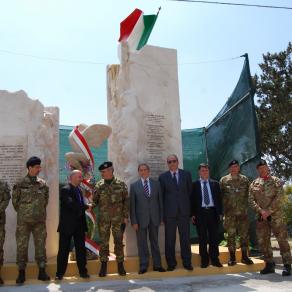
pixel 235 203
pixel 113 208
pixel 267 194
pixel 30 198
pixel 4 200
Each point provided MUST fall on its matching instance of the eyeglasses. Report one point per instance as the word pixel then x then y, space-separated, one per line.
pixel 171 161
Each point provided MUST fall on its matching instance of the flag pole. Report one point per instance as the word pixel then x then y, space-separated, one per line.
pixel 158 10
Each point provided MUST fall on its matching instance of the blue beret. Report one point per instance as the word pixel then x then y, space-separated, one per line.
pixel 32 161
pixel 233 162
pixel 105 165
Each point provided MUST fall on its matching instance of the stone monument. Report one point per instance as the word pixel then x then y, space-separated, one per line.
pixel 28 128
pixel 144 114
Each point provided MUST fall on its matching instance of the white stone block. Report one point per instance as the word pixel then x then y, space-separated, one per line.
pixel 28 129
pixel 144 114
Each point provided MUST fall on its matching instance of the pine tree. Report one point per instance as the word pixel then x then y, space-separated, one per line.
pixel 274 110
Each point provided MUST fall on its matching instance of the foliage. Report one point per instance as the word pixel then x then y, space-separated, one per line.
pixel 274 110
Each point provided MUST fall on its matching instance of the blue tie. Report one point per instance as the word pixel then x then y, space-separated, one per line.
pixel 174 178
pixel 146 188
pixel 206 194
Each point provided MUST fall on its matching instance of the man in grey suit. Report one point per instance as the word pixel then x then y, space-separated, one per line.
pixel 146 215
pixel 176 186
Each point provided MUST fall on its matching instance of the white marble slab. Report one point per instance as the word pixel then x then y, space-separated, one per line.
pixel 34 129
pixel 144 114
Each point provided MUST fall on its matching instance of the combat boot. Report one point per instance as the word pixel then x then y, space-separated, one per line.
pixel 1 280
pixel 245 259
pixel 43 276
pixel 268 269
pixel 21 277
pixel 286 270
pixel 121 269
pixel 232 259
pixel 103 269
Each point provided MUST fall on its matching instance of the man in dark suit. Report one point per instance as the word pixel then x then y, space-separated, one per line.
pixel 176 186
pixel 146 213
pixel 72 224
pixel 206 214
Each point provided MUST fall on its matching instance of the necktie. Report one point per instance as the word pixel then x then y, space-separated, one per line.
pixel 206 194
pixel 79 195
pixel 174 178
pixel 146 188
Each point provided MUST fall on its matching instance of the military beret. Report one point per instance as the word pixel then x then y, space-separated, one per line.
pixel 105 165
pixel 233 162
pixel 32 161
pixel 261 163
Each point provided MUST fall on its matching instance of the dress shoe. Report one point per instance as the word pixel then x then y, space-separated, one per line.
pixel 59 277
pixel 216 263
pixel 286 270
pixel 245 259
pixel 43 276
pixel 121 269
pixel 103 269
pixel 84 275
pixel 21 277
pixel 189 267
pixel 159 269
pixel 142 271
pixel 170 268
pixel 204 264
pixel 268 269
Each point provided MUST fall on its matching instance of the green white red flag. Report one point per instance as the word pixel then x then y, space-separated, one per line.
pixel 136 29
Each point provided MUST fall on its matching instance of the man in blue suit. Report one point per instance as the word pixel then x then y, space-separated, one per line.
pixel 176 186
pixel 146 212
pixel 206 215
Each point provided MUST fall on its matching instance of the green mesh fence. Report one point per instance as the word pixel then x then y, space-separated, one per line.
pixel 233 134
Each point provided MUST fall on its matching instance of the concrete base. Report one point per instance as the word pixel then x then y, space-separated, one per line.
pixel 9 272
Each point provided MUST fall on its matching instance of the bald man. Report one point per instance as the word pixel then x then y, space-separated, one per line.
pixel 72 225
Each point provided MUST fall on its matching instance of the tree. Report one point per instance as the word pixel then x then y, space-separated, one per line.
pixel 287 206
pixel 274 110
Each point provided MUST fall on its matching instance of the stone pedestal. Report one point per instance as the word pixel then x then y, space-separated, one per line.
pixel 28 128
pixel 144 114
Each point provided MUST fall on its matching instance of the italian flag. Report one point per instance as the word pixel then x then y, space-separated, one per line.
pixel 136 29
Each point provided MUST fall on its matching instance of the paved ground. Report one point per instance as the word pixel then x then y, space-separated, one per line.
pixel 231 283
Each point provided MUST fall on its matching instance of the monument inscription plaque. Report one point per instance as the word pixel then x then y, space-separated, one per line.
pixel 155 142
pixel 13 153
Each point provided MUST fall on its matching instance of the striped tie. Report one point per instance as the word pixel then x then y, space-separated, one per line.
pixel 206 194
pixel 146 188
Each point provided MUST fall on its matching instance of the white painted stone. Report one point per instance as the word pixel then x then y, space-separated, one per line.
pixel 144 114
pixel 35 129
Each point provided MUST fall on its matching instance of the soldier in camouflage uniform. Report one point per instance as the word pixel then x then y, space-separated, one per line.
pixel 111 196
pixel 4 200
pixel 265 196
pixel 234 189
pixel 30 198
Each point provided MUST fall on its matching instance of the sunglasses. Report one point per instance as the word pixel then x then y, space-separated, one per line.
pixel 171 161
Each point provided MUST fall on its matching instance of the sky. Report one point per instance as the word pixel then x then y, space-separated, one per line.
pixel 88 31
